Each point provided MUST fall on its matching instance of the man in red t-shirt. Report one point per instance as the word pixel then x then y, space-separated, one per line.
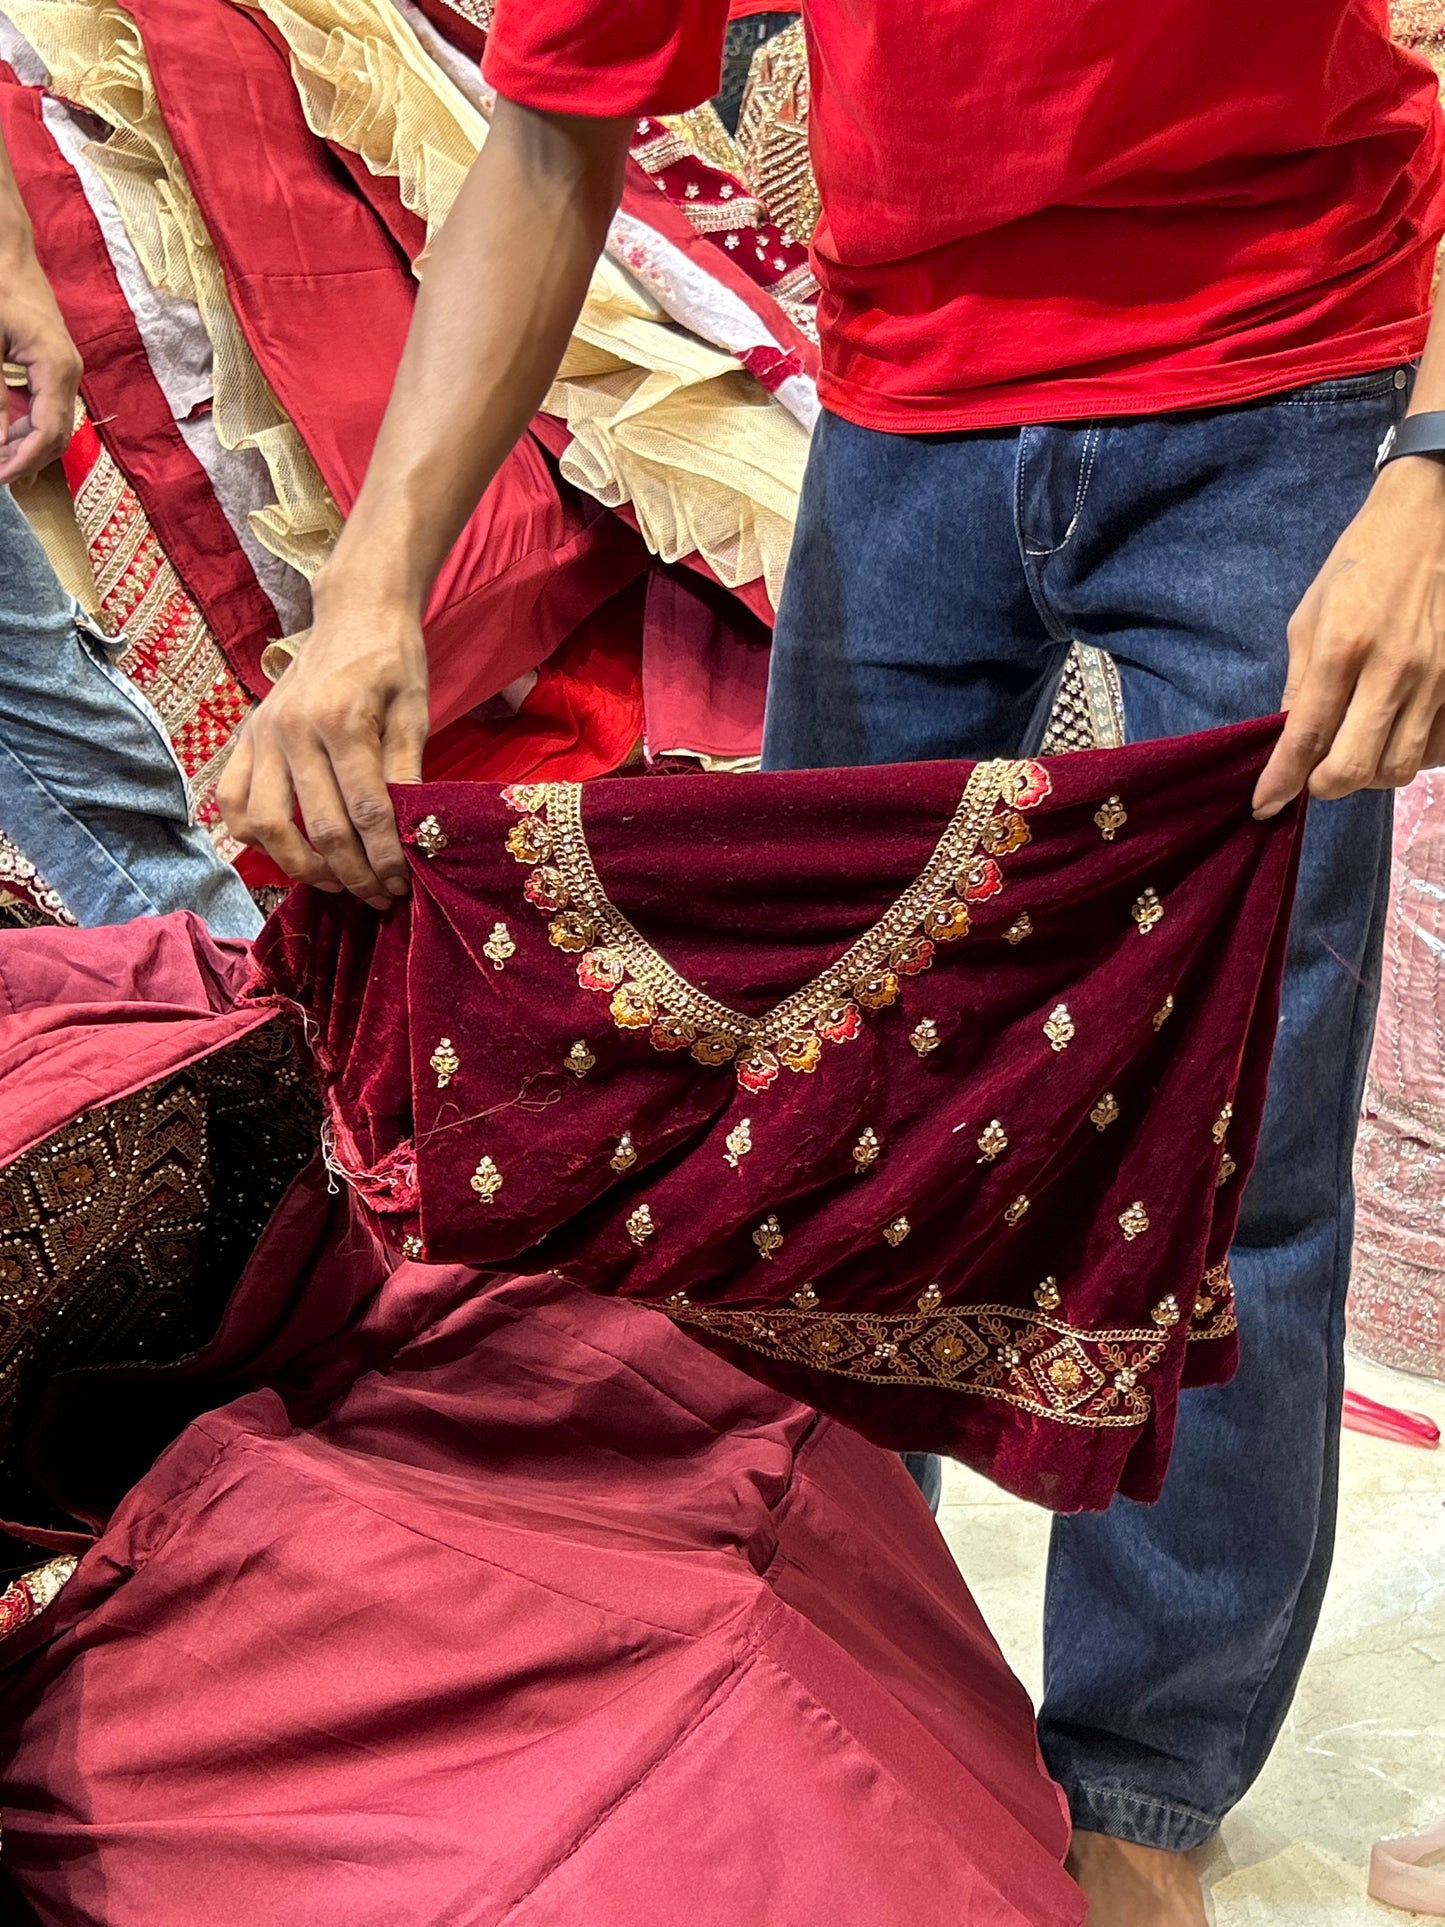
pixel 1120 306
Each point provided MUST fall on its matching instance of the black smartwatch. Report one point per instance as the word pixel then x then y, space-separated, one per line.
pixel 1422 434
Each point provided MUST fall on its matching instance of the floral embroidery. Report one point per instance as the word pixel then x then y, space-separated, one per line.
pixel 1105 1112
pixel 1111 816
pixel 412 1246
pixel 430 837
pixel 739 1142
pixel 805 1298
pixel 930 1299
pixel 1166 1313
pixel 579 1059
pixel 896 1232
pixel 1046 1295
pixel 486 1180
pixel 1020 928
pixel 1147 911
pixel 499 946
pixel 1133 1222
pixel 1227 1169
pixel 1164 1012
pixel 1059 1028
pixel 924 1037
pixel 640 1226
pixel 1220 1127
pixel 646 993
pixel 625 1156
pixel 866 1152
pixel 1017 1211
pixel 769 1236
pixel 445 1062
pixel 1214 1314
pixel 992 1142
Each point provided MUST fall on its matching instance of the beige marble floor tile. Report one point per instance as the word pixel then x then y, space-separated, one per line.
pixel 1363 1752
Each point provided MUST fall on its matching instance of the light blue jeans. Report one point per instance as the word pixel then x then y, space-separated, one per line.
pixel 90 789
pixel 934 587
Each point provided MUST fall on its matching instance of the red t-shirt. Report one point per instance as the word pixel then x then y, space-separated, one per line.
pixel 1035 213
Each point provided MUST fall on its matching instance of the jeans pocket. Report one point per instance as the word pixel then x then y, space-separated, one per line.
pixel 1380 384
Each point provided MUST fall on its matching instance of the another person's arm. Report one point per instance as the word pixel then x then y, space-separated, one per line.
pixel 33 337
pixel 503 286
pixel 1366 685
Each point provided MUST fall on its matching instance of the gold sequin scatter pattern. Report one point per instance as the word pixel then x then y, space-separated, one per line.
pixel 640 1226
pixel 579 1059
pixel 445 1062
pixel 769 1236
pixel 1166 1313
pixel 1046 1295
pixel 486 1180
pixel 1021 927
pixel 924 1037
pixel 896 1232
pixel 1027 1359
pixel 430 837
pixel 1105 1112
pixel 992 1142
pixel 930 1299
pixel 625 1156
pixel 866 1152
pixel 1220 1127
pixel 1017 1211
pixel 739 1142
pixel 1147 911
pixel 1134 1222
pixel 805 1298
pixel 499 947
pixel 1059 1028
pixel 1111 816
pixel 1227 1169
pixel 646 993
pixel 1164 1012
pixel 412 1246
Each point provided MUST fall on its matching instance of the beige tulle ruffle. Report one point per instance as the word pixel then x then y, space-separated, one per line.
pixel 95 57
pixel 659 419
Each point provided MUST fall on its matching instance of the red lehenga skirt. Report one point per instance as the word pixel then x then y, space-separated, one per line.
pixel 447 1600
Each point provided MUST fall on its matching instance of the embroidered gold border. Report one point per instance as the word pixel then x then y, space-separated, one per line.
pixel 674 994
pixel 1039 1364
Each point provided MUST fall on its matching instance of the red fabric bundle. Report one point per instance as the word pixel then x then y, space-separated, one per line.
pixel 949 1144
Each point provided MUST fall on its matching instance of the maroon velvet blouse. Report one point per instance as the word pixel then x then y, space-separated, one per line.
pixel 925 1093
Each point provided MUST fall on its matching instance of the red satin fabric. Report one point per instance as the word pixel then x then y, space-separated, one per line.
pixel 324 297
pixel 496 1604
pixel 751 888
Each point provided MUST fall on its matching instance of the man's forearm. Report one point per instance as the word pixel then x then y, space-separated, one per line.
pixel 500 295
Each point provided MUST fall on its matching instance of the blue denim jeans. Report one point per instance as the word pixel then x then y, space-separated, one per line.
pixel 90 788
pixel 934 587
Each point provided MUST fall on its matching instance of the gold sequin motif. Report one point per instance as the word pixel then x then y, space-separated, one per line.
pixel 769 1236
pixel 625 1156
pixel 896 1232
pixel 1105 1112
pixel 866 1152
pixel 1046 1295
pixel 1059 1028
pixel 1017 1211
pixel 1021 927
pixel 445 1062
pixel 640 1226
pixel 486 1180
pixel 1147 911
pixel 739 1142
pixel 992 1142
pixel 579 1060
pixel 499 946
pixel 924 1037
pixel 430 836
pixel 1111 816
pixel 1134 1222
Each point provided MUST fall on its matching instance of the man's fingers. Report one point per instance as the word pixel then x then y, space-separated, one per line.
pixel 267 820
pixel 1407 751
pixel 54 380
pixel 329 812
pixel 234 788
pixel 404 739
pixel 1309 730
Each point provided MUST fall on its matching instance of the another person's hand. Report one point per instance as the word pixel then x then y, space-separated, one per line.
pixel 37 419
pixel 347 718
pixel 1366 685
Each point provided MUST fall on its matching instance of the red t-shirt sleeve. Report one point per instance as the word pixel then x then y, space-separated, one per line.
pixel 606 57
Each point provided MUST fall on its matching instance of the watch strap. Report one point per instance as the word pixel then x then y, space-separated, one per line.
pixel 1422 434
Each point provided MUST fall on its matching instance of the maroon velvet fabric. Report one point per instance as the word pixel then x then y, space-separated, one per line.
pixel 1028 1320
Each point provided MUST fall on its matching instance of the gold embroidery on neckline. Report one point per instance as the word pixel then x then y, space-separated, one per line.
pixel 680 1016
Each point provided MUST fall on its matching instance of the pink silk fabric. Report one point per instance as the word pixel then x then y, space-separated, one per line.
pixel 977 1197
pixel 496 1603
pixel 1397 1293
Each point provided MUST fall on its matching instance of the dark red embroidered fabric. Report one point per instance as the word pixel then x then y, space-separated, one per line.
pixel 945 1136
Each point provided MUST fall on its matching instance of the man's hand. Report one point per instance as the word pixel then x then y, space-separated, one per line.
pixel 1366 685
pixel 347 718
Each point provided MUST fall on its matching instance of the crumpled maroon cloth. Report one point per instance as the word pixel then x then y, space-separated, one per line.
pixel 973 1189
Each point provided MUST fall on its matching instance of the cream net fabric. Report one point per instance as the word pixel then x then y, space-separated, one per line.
pixel 660 420
pixel 94 54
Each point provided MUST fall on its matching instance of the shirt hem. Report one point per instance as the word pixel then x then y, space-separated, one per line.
pixel 865 408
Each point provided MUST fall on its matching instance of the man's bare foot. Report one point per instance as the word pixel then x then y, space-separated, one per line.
pixel 1129 1886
